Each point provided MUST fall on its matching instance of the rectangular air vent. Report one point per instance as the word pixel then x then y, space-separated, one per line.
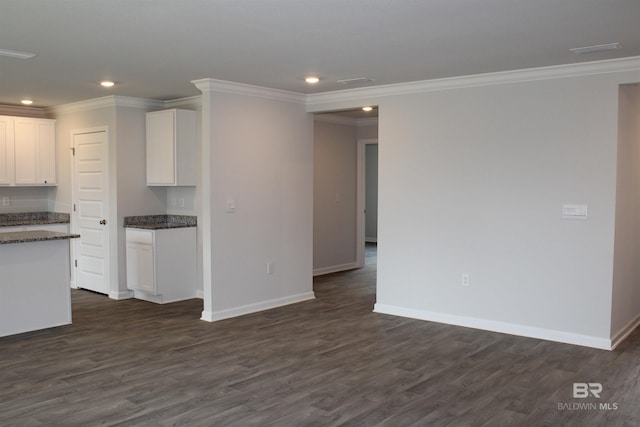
pixel 15 54
pixel 596 48
pixel 356 81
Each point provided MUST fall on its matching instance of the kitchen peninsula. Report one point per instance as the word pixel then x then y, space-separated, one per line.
pixel 34 280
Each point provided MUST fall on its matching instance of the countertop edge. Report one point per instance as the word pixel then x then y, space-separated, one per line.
pixel 158 226
pixel 20 219
pixel 34 236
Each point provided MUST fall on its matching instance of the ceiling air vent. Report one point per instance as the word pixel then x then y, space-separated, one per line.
pixel 356 81
pixel 596 48
pixel 15 54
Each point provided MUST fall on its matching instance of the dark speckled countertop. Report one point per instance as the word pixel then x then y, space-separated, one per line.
pixel 34 236
pixel 159 222
pixel 32 218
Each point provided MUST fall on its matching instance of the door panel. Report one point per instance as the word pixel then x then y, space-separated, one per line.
pixel 91 210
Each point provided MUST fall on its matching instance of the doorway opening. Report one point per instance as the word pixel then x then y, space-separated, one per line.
pixel 367 200
pixel 344 141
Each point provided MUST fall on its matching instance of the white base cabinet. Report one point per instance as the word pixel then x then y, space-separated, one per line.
pixel 34 286
pixel 161 264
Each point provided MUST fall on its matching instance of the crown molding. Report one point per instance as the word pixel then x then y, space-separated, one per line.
pixel 190 102
pixel 17 110
pixel 106 102
pixel 502 77
pixel 214 85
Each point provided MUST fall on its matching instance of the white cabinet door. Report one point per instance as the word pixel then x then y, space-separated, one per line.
pixel 171 148
pixel 46 151
pixel 25 151
pixel 6 150
pixel 161 156
pixel 141 260
pixel 34 151
pixel 140 267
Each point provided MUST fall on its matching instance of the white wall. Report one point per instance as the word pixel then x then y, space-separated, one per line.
pixel 68 121
pixel 367 129
pixel 472 180
pixel 257 151
pixel 132 194
pixel 192 196
pixel 334 192
pixel 129 194
pixel 626 267
pixel 25 199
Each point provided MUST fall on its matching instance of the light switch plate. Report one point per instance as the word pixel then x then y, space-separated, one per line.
pixel 575 212
pixel 230 206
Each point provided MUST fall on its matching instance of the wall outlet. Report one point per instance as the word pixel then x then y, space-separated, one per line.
pixel 271 267
pixel 181 203
pixel 6 201
pixel 465 279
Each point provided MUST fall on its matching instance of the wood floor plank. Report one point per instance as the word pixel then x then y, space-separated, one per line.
pixel 326 362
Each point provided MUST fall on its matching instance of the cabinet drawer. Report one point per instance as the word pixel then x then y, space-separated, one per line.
pixel 139 236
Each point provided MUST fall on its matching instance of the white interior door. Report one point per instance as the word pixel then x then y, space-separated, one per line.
pixel 91 208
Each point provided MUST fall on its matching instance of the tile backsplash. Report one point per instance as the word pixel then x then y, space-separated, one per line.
pixel 24 199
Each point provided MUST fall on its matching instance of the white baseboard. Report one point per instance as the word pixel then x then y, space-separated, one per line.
pixel 121 294
pixel 495 326
pixel 371 239
pixel 253 308
pixel 625 332
pixel 199 293
pixel 334 268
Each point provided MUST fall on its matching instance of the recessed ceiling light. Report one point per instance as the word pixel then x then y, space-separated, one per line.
pixel 596 48
pixel 27 101
pixel 311 80
pixel 15 54
pixel 367 109
pixel 107 83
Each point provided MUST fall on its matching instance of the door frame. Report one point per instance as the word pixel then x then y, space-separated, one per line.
pixel 74 198
pixel 360 198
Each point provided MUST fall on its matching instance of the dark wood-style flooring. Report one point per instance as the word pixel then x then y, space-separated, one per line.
pixel 326 362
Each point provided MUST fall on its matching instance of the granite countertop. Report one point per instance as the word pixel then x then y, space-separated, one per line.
pixel 159 222
pixel 34 236
pixel 33 218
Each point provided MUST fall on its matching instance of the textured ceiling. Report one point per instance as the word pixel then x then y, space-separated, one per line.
pixel 154 48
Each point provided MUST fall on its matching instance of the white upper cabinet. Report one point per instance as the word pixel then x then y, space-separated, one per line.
pixel 171 148
pixel 6 150
pixel 27 151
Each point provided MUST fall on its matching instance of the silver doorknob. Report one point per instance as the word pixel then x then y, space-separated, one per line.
pixel 103 222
